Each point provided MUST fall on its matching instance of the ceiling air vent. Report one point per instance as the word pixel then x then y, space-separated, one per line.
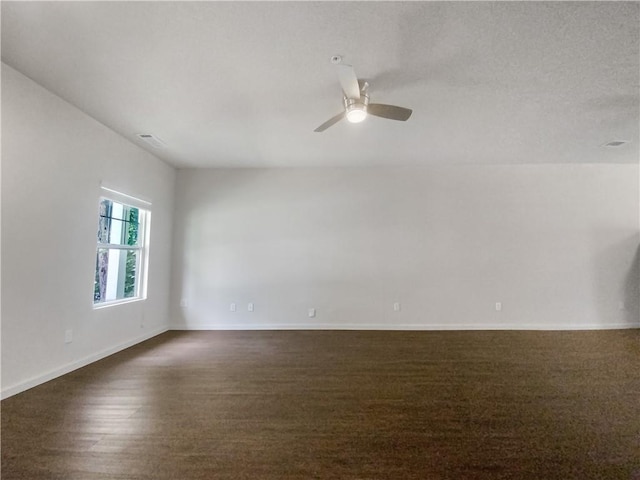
pixel 152 140
pixel 615 143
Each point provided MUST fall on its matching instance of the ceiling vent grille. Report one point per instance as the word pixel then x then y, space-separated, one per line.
pixel 615 143
pixel 152 140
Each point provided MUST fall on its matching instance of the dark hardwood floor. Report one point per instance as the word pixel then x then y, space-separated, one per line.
pixel 338 405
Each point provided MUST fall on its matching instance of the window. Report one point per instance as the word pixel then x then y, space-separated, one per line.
pixel 120 253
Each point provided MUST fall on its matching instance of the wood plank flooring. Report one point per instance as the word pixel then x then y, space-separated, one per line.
pixel 338 405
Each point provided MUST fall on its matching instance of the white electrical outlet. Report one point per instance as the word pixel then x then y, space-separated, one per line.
pixel 232 307
pixel 621 306
pixel 498 306
pixel 312 312
pixel 396 307
pixel 183 303
pixel 250 307
pixel 68 336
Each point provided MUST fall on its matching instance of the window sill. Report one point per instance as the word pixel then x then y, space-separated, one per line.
pixel 113 303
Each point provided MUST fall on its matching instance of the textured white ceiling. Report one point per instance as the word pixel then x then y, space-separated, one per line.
pixel 240 84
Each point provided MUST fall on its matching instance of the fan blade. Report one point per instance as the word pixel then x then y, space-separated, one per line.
pixel 389 111
pixel 349 81
pixel 330 122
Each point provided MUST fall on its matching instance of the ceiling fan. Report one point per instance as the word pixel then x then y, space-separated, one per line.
pixel 356 101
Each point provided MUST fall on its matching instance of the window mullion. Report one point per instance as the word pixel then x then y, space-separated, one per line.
pixel 117 246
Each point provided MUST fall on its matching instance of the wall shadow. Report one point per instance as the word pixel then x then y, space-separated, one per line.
pixel 616 294
pixel 631 290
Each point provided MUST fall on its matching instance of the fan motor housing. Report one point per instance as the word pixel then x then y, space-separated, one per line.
pixel 356 109
pixel 356 103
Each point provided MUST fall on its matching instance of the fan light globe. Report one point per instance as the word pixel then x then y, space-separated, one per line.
pixel 356 114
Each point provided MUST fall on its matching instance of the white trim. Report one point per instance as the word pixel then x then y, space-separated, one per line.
pixel 143 261
pixel 407 327
pixel 122 301
pixel 70 367
pixel 126 197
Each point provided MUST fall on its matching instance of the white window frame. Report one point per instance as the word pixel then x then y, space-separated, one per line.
pixel 142 258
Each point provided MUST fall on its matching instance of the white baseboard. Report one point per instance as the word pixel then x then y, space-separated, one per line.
pixel 40 379
pixel 407 327
pixel 70 367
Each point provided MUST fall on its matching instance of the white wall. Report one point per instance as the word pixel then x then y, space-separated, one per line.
pixel 54 158
pixel 556 244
